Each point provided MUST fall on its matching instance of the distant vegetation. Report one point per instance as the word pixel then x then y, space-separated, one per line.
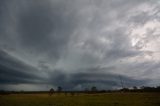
pixel 93 89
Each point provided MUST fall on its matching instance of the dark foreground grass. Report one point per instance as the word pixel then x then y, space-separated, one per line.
pixel 108 99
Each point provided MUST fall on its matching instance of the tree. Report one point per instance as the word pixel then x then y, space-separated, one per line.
pixel 59 89
pixel 51 91
pixel 94 89
pixel 135 88
pixel 86 90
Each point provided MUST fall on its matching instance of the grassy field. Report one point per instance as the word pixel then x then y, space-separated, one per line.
pixel 108 99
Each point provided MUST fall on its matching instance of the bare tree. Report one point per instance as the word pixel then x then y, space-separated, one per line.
pixel 51 91
pixel 135 88
pixel 122 84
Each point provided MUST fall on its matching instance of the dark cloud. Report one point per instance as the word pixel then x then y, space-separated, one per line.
pixel 14 71
pixel 2 7
pixel 46 28
pixel 79 43
pixel 86 79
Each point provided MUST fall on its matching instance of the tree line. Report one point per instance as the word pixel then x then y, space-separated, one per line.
pixel 91 90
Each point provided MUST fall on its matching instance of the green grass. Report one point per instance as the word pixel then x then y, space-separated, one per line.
pixel 108 99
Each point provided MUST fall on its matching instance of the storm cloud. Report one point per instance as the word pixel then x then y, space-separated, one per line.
pixel 79 43
pixel 87 79
pixel 15 71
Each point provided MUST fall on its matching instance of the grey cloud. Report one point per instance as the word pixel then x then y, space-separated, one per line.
pixel 46 28
pixel 69 42
pixel 89 79
pixel 15 71
pixel 143 17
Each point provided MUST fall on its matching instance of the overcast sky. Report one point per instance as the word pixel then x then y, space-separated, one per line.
pixel 77 44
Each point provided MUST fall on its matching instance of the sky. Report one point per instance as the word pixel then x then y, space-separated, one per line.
pixel 77 44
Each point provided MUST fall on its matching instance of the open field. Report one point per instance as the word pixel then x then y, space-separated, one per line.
pixel 107 99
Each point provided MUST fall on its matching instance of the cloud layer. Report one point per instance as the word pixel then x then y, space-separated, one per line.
pixel 79 43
